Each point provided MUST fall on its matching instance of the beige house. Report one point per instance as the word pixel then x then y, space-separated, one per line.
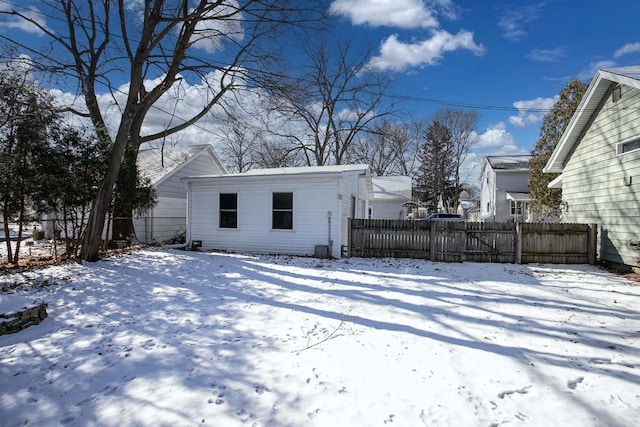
pixel 598 157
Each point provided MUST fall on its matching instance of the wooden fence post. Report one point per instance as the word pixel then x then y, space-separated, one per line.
pixel 432 241
pixel 518 243
pixel 593 232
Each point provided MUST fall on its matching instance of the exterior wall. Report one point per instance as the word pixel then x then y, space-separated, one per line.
pixel 313 198
pixel 593 185
pixel 167 219
pixel 487 192
pixel 509 181
pixel 388 208
pixel 495 185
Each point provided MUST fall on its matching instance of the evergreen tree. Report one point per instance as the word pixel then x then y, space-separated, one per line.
pixel 543 199
pixel 27 116
pixel 435 176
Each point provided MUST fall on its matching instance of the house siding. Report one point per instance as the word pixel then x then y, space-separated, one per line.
pixel 312 200
pixel 167 219
pixel 593 184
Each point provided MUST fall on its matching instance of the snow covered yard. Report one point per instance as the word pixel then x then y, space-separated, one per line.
pixel 163 337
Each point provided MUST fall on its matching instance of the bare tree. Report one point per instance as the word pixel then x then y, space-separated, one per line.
pixel 154 45
pixel 332 100
pixel 461 125
pixel 390 149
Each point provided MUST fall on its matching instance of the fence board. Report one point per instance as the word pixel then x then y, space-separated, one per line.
pixel 457 241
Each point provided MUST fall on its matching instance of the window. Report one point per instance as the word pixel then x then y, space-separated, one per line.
pixel 282 218
pixel 516 208
pixel 228 210
pixel 628 146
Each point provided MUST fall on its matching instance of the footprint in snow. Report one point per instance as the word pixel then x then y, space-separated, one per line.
pixel 574 383
pixel 523 390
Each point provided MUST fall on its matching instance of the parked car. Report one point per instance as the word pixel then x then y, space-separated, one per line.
pixel 443 216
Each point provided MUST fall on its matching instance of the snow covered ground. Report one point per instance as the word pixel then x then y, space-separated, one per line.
pixel 172 338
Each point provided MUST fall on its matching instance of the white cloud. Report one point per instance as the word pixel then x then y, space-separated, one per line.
pixel 396 55
pixel 531 111
pixel 224 22
pixel 378 13
pixel 513 21
pixel 547 55
pixel 588 73
pixel 626 49
pixel 15 22
pixel 496 136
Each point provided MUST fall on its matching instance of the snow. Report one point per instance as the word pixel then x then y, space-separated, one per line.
pixel 173 338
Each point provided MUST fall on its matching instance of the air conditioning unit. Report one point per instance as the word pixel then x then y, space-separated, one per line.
pixel 321 251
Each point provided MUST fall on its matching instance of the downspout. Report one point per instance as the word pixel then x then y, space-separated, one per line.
pixel 329 241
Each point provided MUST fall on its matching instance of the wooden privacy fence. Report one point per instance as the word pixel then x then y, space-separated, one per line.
pixel 458 241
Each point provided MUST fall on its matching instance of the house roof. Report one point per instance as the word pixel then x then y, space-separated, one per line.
pixel 520 162
pixel 598 89
pixel 391 187
pixel 517 197
pixel 156 165
pixel 290 171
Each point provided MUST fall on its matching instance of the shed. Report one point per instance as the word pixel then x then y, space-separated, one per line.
pixel 296 211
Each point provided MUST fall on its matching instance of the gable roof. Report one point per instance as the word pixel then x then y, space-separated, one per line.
pixel 157 165
pixel 598 89
pixel 391 187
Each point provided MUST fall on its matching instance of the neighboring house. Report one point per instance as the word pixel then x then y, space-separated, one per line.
pixel 164 168
pixel 295 211
pixel 390 197
pixel 598 157
pixel 504 194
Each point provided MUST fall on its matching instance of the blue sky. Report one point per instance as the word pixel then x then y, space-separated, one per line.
pixel 507 60
pixel 502 58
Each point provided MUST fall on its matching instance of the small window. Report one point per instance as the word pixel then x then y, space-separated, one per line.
pixel 228 210
pixel 628 146
pixel 282 218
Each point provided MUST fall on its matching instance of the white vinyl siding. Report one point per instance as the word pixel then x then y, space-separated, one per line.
pixel 312 199
pixel 167 219
pixel 594 184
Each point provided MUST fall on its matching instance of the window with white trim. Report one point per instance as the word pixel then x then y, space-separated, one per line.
pixel 628 146
pixel 228 210
pixel 282 211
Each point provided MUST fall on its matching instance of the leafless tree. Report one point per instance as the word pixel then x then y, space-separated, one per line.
pixel 461 125
pixel 390 149
pixel 155 45
pixel 332 99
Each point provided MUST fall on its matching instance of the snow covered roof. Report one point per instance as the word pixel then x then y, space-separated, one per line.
pixel 520 162
pixel 597 90
pixel 156 164
pixel 391 187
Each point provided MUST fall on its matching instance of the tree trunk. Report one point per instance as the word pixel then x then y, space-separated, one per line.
pixel 123 203
pixel 93 234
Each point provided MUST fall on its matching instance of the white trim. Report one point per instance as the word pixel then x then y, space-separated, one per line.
pixel 619 145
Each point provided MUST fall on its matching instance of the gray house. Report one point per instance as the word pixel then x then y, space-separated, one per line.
pixel 504 188
pixel 598 157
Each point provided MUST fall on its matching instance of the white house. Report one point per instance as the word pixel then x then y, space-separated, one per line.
pixel 504 194
pixel 598 157
pixel 295 211
pixel 164 169
pixel 390 193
